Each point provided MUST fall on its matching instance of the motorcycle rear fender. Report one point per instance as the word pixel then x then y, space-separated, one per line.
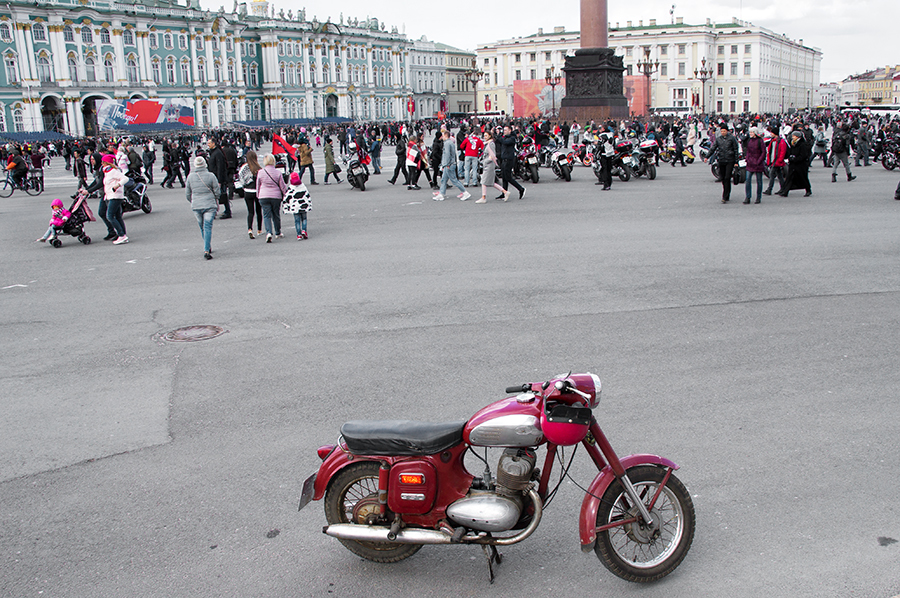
pixel 336 461
pixel 587 522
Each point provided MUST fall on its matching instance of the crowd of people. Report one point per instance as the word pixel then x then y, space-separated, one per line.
pixel 215 166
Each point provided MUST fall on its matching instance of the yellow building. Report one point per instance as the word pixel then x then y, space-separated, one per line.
pixel 877 87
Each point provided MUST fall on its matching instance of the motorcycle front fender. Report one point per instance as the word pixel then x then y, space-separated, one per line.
pixel 587 521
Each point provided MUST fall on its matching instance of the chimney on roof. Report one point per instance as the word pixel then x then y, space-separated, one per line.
pixel 540 31
pixel 679 20
pixel 653 22
pixel 708 22
pixel 559 30
pixel 628 23
pixel 641 23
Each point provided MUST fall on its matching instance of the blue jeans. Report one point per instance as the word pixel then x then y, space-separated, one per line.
pixel 102 209
pixel 272 214
pixel 471 170
pixel 300 221
pixel 205 220
pixel 114 216
pixel 312 172
pixel 449 174
pixel 749 185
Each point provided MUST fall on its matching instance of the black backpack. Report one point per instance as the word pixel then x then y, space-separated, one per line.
pixel 838 144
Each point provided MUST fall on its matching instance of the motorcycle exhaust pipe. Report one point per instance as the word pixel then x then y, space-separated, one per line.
pixel 379 533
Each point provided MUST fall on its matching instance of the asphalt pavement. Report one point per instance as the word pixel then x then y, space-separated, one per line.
pixel 754 345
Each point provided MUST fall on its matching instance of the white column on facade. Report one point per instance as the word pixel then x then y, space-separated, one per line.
pixel 238 63
pixel 58 49
pixel 210 63
pixel 30 59
pixel 72 117
pixel 195 72
pixel 142 41
pixel 198 112
pixel 119 49
pixel 370 69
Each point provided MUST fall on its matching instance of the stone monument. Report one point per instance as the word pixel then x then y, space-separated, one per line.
pixel 594 75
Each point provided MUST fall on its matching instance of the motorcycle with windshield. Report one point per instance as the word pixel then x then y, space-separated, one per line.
pixel 390 487
pixel 527 161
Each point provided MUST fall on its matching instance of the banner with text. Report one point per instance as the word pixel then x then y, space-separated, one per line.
pixel 115 114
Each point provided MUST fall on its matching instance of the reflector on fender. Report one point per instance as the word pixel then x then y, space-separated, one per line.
pixel 416 479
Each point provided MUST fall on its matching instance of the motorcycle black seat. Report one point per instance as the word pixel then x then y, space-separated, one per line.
pixel 401 438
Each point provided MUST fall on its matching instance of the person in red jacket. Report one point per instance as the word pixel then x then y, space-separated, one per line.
pixel 472 147
pixel 775 156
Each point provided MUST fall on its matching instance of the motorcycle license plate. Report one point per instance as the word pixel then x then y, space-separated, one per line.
pixel 627 160
pixel 532 160
pixel 742 164
pixel 307 493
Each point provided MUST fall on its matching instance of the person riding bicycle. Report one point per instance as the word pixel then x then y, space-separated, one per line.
pixel 17 167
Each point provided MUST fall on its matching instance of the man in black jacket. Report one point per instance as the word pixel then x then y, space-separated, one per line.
pixel 218 166
pixel 508 160
pixel 726 149
pixel 231 162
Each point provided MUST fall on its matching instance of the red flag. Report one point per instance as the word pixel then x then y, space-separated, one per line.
pixel 280 146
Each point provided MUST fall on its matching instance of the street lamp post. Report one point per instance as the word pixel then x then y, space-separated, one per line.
pixel 647 68
pixel 553 79
pixel 704 74
pixel 474 76
pixel 782 99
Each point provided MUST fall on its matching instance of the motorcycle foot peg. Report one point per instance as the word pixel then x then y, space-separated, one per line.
pixel 458 534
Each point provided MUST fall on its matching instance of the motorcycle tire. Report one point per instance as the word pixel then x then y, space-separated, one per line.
pixel 651 172
pixel 739 177
pixel 633 551
pixel 355 488
pixel 566 173
pixel 588 159
pixel 146 207
pixel 534 173
pixel 689 160
pixel 625 173
pixel 714 168
pixel 889 162
pixel 664 156
pixel 361 183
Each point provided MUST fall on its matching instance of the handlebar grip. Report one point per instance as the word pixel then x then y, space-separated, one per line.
pixel 520 388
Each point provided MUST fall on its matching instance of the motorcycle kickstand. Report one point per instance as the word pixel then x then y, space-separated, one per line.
pixel 493 556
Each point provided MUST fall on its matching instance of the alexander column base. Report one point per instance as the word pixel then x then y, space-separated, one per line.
pixel 594 87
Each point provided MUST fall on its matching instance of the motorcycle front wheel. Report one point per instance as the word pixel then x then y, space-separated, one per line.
pixel 651 172
pixel 534 173
pixel 635 551
pixel 352 496
pixel 566 172
pixel 146 206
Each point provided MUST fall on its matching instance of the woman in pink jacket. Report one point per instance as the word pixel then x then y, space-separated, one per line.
pixel 114 193
pixel 270 189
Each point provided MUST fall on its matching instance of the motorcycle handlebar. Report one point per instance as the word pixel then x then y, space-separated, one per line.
pixel 520 388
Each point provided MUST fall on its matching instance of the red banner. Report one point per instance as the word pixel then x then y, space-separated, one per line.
pixel 280 146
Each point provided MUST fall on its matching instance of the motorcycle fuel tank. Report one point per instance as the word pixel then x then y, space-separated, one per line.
pixel 508 423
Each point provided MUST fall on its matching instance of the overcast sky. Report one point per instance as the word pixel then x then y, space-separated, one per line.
pixel 854 35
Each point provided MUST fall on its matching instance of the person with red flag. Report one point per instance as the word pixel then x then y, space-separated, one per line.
pixel 280 146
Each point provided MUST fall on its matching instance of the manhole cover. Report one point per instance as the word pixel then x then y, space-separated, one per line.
pixel 189 334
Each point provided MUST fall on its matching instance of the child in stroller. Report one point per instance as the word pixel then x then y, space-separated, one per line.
pixel 69 222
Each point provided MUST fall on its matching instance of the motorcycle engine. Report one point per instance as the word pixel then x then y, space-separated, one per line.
pixel 501 509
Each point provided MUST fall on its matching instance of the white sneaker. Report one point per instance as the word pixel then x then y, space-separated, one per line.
pixel 121 240
pixel 438 197
pixel 466 196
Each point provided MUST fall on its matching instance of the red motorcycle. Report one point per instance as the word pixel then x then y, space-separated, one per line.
pixel 583 153
pixel 391 487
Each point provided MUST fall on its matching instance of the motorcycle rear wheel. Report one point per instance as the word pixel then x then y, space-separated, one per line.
pixel 635 552
pixel 534 174
pixel 625 173
pixel 566 173
pixel 587 160
pixel 651 171
pixel 352 485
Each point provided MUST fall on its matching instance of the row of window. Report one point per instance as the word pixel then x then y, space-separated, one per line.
pixel 732 106
pixel 732 91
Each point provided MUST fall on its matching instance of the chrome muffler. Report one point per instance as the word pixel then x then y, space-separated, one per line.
pixel 379 533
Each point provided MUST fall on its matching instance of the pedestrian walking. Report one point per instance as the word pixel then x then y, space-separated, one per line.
pixel 755 153
pixel 297 202
pixel 400 152
pixel 270 189
pixel 489 169
pixel 114 192
pixel 203 191
pixel 840 148
pixel 330 167
pixel 508 161
pixel 725 147
pixel 304 151
pixel 247 176
pixel 448 169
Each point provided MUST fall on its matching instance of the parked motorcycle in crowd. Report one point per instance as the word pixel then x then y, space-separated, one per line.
pixel 527 161
pixel 644 158
pixel 668 154
pixel 391 487
pixel 357 174
pixel 561 163
pixel 583 153
pixel 622 162
pixel 890 153
pixel 136 197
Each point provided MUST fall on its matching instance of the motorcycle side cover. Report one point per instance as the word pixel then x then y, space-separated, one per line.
pixel 587 521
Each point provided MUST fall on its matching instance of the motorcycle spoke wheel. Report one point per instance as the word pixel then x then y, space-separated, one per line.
pixel 351 491
pixel 641 553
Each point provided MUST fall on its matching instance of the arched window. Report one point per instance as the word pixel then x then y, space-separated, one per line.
pixel 204 114
pixel 182 42
pixel 68 34
pixel 157 71
pixel 2 118
pixel 299 74
pixel 246 73
pixel 201 70
pixel 231 71
pixel 325 74
pixel 73 68
pixel 257 110
pixel 337 75
pixel 234 110
pixel 221 111
pixel 104 36
pixel 365 78
pixel 247 111
pixel 254 75
pixel 90 69
pixel 186 72
pixel 128 37
pixel 109 71
pixel 167 41
pixel 5 33
pixel 39 33
pixel 229 47
pixel 215 43
pixel 198 41
pixel 131 70
pixel 285 108
pixel 282 74
pixel 18 119
pixel 87 36
pixel 45 74
pixel 170 71
pixel 217 70
pixel 153 40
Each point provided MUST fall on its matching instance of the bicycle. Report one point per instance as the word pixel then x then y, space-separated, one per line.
pixel 30 185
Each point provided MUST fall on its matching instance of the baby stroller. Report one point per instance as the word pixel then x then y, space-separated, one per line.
pixel 74 226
